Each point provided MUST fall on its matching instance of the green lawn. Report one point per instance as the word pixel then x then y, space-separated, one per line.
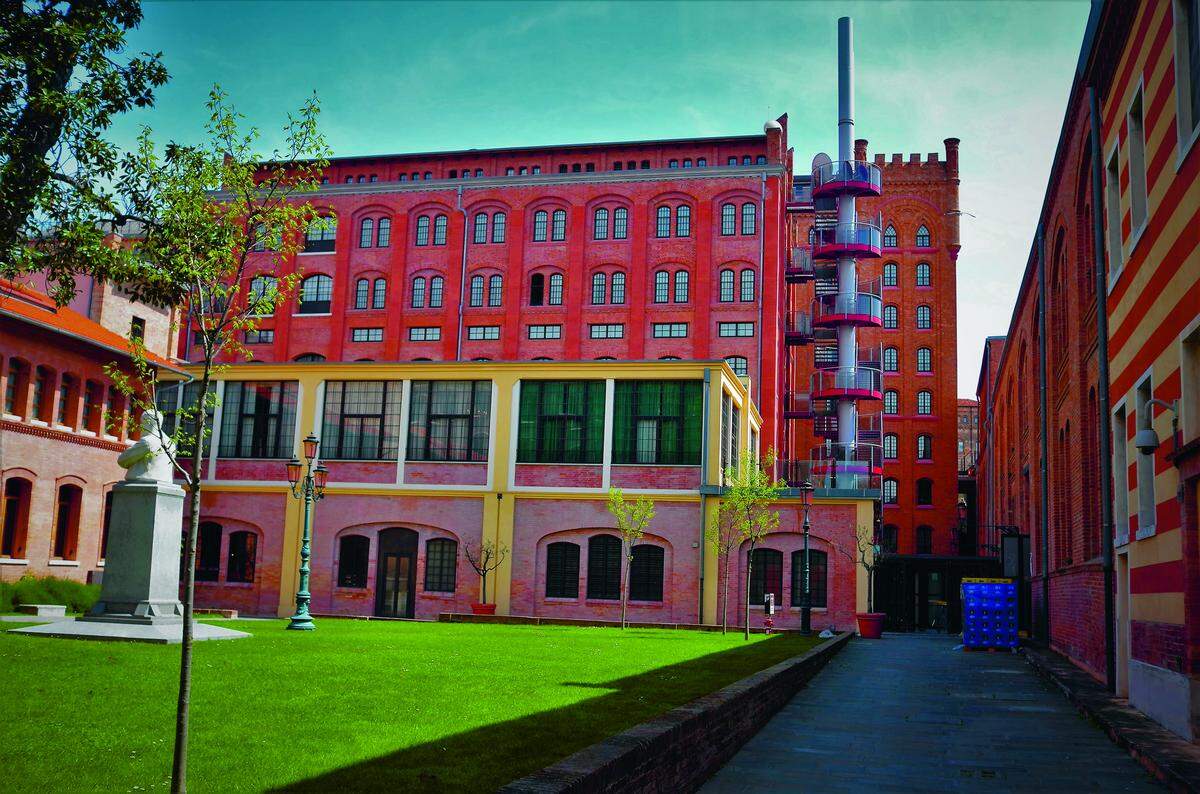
pixel 353 705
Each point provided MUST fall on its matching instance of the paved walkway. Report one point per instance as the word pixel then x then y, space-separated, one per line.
pixel 911 713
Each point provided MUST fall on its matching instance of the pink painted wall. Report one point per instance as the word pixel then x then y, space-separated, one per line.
pixel 680 478
pixel 445 473
pixel 559 475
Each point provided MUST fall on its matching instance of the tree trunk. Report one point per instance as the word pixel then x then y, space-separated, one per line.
pixel 749 563
pixel 725 598
pixel 179 765
pixel 625 587
pixel 483 588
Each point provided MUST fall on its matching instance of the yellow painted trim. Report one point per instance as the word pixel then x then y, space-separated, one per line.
pixel 1157 607
pixel 710 596
pixel 865 517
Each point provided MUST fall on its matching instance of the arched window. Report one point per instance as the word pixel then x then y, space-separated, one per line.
pixel 922 236
pixel 620 223
pixel 17 496
pixel 441 565
pixel 476 298
pixel 646 573
pixel 766 575
pixel 537 289
pixel 747 285
pixel 418 292
pixel 600 224
pixel 683 221
pixel 760 159
pixel 890 491
pixel 540 220
pixel 891 401
pixel 558 227
pixel 701 162
pixel 924 317
pixel 496 290
pixel 727 280
pixel 669 358
pixel 383 236
pixel 499 226
pixel 739 365
pixel 562 570
pixel 16 387
pixel 818 578
pixel 354 553
pixel 599 288
pixel 889 274
pixel 923 275
pixel 924 491
pixel 681 286
pixel 749 218
pixel 889 236
pixel 243 547
pixel 924 447
pixel 366 233
pixel 208 552
pixel 924 359
pixel 662 226
pixel 437 286
pixel 362 293
pixel 728 219
pixel 617 294
pixel 439 230
pixel 481 227
pixel 924 402
pixel 308 358
pixel 924 539
pixel 379 296
pixel 319 236
pixel 423 230
pixel 556 290
pixel 891 445
pixel 662 286
pixel 891 316
pixel 891 359
pixel 315 294
pixel 604 568
pixel 889 538
pixel 812 234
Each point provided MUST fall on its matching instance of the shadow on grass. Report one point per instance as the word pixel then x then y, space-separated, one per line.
pixel 485 758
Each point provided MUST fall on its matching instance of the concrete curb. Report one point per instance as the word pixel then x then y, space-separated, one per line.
pixel 1171 759
pixel 681 749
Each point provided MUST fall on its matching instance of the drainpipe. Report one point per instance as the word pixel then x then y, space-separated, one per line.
pixel 1044 468
pixel 703 482
pixel 462 280
pixel 762 277
pixel 1102 403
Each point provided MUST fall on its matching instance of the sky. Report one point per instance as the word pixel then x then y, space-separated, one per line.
pixel 409 76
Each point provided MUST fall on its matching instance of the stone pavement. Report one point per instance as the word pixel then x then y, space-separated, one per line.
pixel 911 713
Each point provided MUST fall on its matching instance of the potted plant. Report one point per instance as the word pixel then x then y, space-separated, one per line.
pixel 485 556
pixel 870 623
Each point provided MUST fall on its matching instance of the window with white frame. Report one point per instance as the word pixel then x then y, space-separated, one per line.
pixel 669 330
pixel 424 334
pixel 479 332
pixel 545 331
pixel 735 329
pixel 607 331
pixel 366 334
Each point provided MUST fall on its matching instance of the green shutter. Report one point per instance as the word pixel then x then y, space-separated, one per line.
pixel 623 429
pixel 693 422
pixel 595 422
pixel 527 424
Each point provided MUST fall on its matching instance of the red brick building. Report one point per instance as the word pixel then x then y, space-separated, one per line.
pixel 968 434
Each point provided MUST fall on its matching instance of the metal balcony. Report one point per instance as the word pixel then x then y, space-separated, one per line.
pixel 825 355
pixel 799 267
pixel 847 383
pixel 826 474
pixel 797 328
pixel 856 238
pixel 851 460
pixel 860 309
pixel 847 178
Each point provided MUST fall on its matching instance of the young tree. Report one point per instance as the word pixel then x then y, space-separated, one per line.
pixel 746 508
pixel 484 557
pixel 632 520
pixel 724 537
pixel 866 554
pixel 225 221
pixel 61 85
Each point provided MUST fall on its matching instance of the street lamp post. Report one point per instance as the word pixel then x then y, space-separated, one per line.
pixel 307 483
pixel 806 491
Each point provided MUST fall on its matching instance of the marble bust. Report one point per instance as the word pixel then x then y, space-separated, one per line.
pixel 146 460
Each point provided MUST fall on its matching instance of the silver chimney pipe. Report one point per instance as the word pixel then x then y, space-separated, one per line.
pixel 846 218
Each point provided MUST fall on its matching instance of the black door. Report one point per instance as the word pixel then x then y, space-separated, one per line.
pixel 395 580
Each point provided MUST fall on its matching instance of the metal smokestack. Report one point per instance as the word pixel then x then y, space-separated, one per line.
pixel 846 218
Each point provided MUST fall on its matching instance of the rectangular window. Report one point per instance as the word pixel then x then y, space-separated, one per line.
pixel 561 422
pixel 545 331
pixel 1112 200
pixel 1120 474
pixel 430 334
pixel 441 560
pixel 477 332
pixel 726 404
pixel 1145 463
pixel 670 330
pixel 366 334
pixel 735 329
pixel 1137 165
pixel 818 574
pixel 261 336
pixel 607 331
pixel 1187 66
pixel 448 420
pixel 258 419
pixel 658 422
pixel 362 420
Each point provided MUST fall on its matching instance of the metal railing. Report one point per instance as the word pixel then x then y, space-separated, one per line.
pixel 825 355
pixel 859 307
pixel 852 236
pixel 800 264
pixel 863 177
pixel 847 379
pixel 798 323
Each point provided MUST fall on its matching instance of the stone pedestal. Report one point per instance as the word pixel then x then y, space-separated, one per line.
pixel 141 566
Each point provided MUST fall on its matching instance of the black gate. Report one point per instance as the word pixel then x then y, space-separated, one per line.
pixel 921 592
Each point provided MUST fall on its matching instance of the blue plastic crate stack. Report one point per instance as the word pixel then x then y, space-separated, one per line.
pixel 989 613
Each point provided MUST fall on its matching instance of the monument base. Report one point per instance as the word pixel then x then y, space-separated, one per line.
pixel 109 629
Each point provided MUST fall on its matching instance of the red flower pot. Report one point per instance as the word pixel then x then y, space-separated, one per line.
pixel 483 609
pixel 870 625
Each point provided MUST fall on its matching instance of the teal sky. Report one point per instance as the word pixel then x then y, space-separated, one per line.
pixel 407 76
